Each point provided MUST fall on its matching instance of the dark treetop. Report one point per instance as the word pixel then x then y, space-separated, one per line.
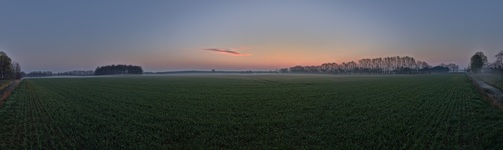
pixel 118 69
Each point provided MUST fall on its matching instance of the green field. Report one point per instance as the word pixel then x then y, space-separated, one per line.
pixel 250 111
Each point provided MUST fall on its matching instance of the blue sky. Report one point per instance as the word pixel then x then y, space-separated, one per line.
pixel 261 34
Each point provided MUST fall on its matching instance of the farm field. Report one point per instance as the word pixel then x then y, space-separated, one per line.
pixel 250 111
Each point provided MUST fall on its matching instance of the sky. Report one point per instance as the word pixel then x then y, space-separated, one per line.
pixel 174 35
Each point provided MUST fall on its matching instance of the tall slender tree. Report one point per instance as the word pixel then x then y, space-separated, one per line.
pixel 5 66
pixel 16 71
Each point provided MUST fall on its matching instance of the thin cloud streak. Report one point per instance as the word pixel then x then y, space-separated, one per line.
pixel 226 51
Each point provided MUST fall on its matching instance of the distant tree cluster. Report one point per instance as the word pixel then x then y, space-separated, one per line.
pixel 439 69
pixel 76 73
pixel 9 69
pixel 39 74
pixel 118 69
pixel 387 65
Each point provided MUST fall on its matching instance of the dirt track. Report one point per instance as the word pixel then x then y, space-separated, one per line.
pixel 495 95
pixel 5 93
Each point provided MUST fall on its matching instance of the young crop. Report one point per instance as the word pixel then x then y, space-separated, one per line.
pixel 255 111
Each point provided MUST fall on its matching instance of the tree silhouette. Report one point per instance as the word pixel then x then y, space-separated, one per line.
pixel 5 66
pixel 77 73
pixel 118 69
pixel 39 74
pixel 484 57
pixel 477 62
pixel 16 71
pixel 498 64
pixel 387 65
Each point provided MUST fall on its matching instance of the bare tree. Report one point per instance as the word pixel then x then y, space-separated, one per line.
pixel 499 61
pixel 16 71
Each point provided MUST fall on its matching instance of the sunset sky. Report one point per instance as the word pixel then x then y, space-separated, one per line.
pixel 170 35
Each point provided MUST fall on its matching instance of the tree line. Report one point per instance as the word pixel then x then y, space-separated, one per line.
pixel 8 68
pixel 67 73
pixel 76 73
pixel 118 69
pixel 387 65
pixel 39 74
pixel 101 70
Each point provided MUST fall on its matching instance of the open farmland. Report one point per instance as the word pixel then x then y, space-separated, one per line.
pixel 250 111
